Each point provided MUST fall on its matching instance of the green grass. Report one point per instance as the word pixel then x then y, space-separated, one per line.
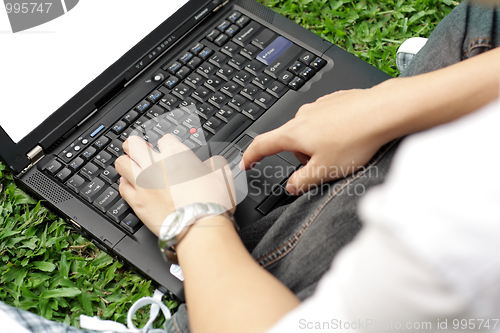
pixel 49 270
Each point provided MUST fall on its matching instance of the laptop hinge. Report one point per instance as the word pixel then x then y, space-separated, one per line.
pixel 34 155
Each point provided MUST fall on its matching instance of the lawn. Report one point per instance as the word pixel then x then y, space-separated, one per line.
pixel 49 270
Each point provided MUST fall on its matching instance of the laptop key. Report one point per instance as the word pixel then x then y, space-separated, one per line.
pixel 225 72
pixel 232 30
pixel 245 35
pixel 230 49
pixel 213 83
pixel 226 114
pixel 242 78
pixel 196 48
pixel 263 38
pixel 163 127
pixel 92 190
pixel 183 72
pixel 250 51
pixel 89 171
pixel 192 121
pixel 201 94
pixel 237 62
pixel 53 167
pixel 200 137
pixel 130 117
pixel 118 211
pixel 262 81
pixel 103 159
pixel 182 91
pixel 286 77
pixel 307 73
pixel 169 102
pixel 207 52
pixel 317 64
pixel 223 26
pixel 250 91
pixel 242 21
pixel 306 58
pixel 185 58
pixel 277 89
pixel 118 127
pixel 194 63
pixel 296 68
pixel 221 40
pixel 173 67
pixel 155 96
pixel 205 110
pixel 188 105
pixel 212 35
pixel 76 183
pixel 151 137
pixel 252 111
pixel 180 132
pixel 131 223
pixel 254 67
pixel 233 17
pixel 218 59
pixel 265 100
pixel 194 80
pixel 143 106
pixel 155 112
pixel 230 88
pixel 296 83
pixel 115 148
pixel 237 102
pixel 102 141
pixel 89 153
pixel 76 164
pixel 176 116
pixel 212 125
pixel 125 134
pixel 206 69
pixel 171 82
pixel 284 60
pixel 106 200
pixel 110 175
pixel 218 99
pixel 63 174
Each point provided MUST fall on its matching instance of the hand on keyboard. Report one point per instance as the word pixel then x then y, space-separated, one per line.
pixel 155 184
pixel 332 137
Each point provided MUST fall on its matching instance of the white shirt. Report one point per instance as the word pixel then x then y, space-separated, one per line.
pixel 428 256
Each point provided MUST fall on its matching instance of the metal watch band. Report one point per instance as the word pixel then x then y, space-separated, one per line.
pixel 183 218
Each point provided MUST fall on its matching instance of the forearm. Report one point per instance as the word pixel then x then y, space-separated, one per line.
pixel 427 100
pixel 226 290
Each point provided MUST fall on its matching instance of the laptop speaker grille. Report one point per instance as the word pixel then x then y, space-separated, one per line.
pixel 256 8
pixel 47 188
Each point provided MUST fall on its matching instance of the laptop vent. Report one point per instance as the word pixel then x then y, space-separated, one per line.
pixel 47 188
pixel 256 8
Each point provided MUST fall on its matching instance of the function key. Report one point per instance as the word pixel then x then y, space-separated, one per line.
pixel 296 83
pixel 223 26
pixel 207 52
pixel 212 35
pixel 53 167
pixel 115 148
pixel 307 73
pixel 307 58
pixel 171 82
pixel 185 58
pixel 89 153
pixel 155 96
pixel 193 63
pixel 183 72
pixel 242 21
pixel 118 127
pixel 317 64
pixel 174 67
pixel 143 106
pixel 130 117
pixel 196 48
pixel 102 141
pixel 76 164
pixel 233 17
pixel 232 30
pixel 103 159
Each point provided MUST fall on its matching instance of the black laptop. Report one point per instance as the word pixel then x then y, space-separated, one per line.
pixel 236 65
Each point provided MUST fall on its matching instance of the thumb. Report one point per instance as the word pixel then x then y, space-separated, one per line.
pixel 307 178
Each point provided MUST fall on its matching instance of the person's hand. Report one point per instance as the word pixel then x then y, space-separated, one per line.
pixel 332 137
pixel 156 184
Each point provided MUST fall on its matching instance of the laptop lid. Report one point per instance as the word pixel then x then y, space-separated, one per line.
pixel 60 73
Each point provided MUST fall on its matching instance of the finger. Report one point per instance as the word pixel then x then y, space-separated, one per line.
pixel 303 158
pixel 127 168
pixel 307 178
pixel 170 145
pixel 127 190
pixel 139 151
pixel 268 144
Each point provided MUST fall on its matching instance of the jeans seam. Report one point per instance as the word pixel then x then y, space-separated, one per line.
pixel 283 250
pixel 175 324
pixel 481 42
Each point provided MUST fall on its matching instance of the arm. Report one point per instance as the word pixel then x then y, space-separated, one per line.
pixel 345 129
pixel 226 290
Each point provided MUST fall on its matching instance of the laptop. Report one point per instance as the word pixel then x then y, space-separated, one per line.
pixel 150 69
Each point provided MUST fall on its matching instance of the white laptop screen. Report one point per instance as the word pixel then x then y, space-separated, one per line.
pixel 43 67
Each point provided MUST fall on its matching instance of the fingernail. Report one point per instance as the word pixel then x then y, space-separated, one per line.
pixel 241 165
pixel 291 189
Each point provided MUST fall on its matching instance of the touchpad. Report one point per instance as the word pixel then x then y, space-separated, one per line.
pixel 265 175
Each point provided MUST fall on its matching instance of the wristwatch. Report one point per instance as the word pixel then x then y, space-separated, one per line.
pixel 175 226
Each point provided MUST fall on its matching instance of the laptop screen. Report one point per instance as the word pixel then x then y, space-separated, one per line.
pixel 43 67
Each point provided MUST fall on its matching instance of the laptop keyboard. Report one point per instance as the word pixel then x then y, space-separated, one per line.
pixel 215 89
